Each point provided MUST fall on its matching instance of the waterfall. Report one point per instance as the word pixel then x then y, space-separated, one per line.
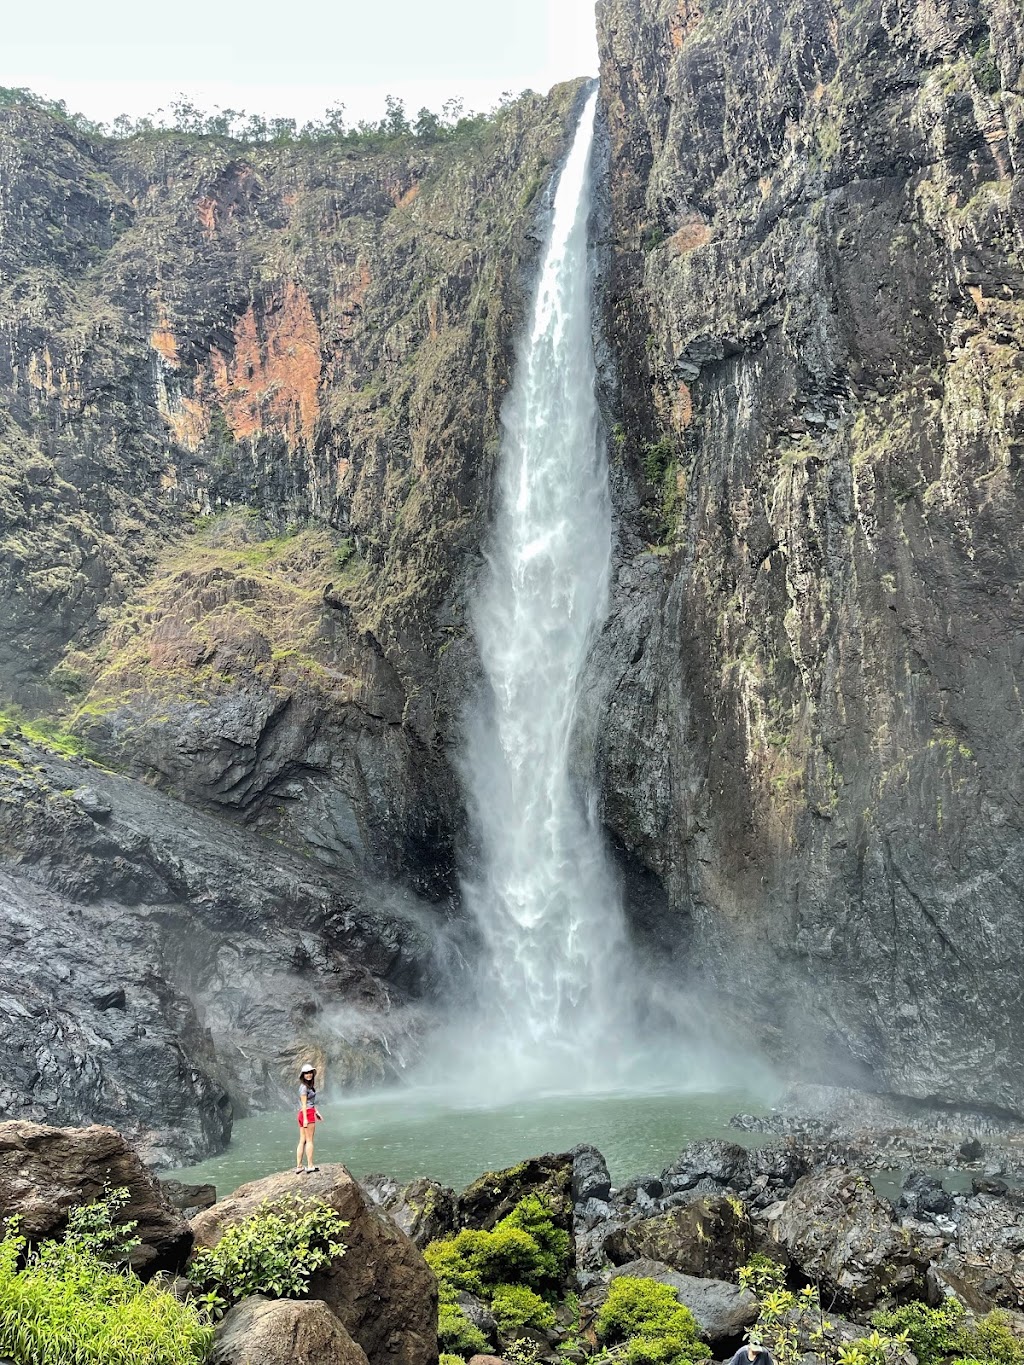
pixel 555 983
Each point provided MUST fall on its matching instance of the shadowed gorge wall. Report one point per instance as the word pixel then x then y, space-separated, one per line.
pixel 809 691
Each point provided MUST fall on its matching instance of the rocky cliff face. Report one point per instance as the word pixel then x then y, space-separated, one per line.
pixel 248 423
pixel 811 724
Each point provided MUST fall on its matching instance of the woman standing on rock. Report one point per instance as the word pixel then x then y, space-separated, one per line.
pixel 308 1118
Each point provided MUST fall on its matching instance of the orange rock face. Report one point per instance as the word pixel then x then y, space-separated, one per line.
pixel 686 18
pixel 270 380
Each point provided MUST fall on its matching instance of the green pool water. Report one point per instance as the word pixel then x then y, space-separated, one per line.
pixel 406 1134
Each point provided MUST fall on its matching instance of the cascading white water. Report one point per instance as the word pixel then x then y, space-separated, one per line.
pixel 553 993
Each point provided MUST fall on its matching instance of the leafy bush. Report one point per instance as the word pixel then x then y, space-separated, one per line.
pixel 937 1334
pixel 931 1331
pixel 656 1328
pixel 783 1317
pixel 446 1358
pixel 991 1339
pixel 456 1334
pixel 761 1275
pixel 273 1252
pixel 533 1216
pixel 671 1349
pixel 516 1305
pixel 524 1248
pixel 68 1305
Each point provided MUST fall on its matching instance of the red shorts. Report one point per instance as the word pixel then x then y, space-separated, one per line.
pixel 310 1118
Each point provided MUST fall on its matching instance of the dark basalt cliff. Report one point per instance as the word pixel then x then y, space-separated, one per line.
pixel 248 421
pixel 810 718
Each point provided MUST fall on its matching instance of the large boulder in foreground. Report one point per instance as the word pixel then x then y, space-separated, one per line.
pixel 839 1234
pixel 261 1331
pixel 708 1238
pixel 722 1309
pixel 45 1172
pixel 382 1290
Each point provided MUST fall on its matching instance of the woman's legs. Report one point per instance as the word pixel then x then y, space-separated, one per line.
pixel 310 1131
pixel 302 1143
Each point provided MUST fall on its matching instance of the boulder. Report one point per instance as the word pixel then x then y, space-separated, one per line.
pixel 840 1235
pixel 922 1194
pixel 725 1164
pixel 590 1178
pixel 709 1238
pixel 382 1290
pixel 496 1193
pixel 423 1209
pixel 45 1172
pixel 986 1258
pixel 261 1331
pixel 479 1314
pixel 721 1308
pixel 189 1199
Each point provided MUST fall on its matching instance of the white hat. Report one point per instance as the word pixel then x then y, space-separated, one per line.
pixel 307 1066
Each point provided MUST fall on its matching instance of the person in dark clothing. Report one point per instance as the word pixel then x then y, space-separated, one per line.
pixel 753 1354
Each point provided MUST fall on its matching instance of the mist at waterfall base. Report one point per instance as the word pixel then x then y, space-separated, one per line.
pixel 558 1002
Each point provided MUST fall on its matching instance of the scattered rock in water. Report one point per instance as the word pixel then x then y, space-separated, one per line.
pixel 922 1193
pixel 382 1290
pixel 711 1162
pixel 189 1199
pixel 283 1332
pixel 45 1172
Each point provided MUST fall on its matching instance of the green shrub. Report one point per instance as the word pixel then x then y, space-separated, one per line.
pixel 671 1349
pixel 991 1339
pixel 648 1313
pixel 761 1275
pixel 516 1305
pixel 524 1248
pixel 273 1252
pixel 446 1358
pixel 931 1331
pixel 456 1334
pixel 533 1216
pixel 69 1306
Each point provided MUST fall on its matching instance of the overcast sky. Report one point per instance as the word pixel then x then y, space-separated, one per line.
pixel 105 57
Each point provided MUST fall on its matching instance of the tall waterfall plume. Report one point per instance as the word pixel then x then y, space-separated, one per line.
pixel 554 994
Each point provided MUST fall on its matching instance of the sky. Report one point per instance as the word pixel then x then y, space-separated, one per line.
pixel 106 57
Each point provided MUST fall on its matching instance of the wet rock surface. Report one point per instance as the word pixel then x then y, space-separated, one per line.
pixel 160 970
pixel 495 1194
pixel 423 1209
pixel 836 1232
pixel 802 706
pixel 46 1171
